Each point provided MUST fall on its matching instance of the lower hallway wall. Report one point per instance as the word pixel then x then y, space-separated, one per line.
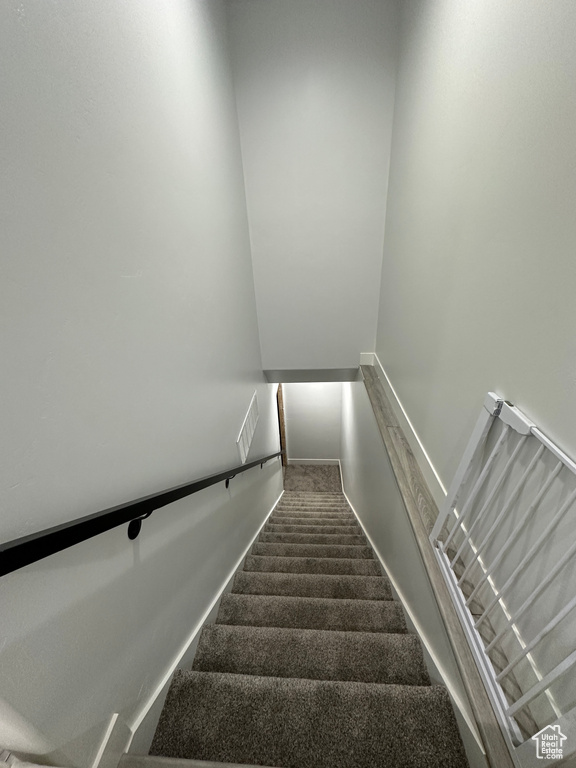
pixel 313 413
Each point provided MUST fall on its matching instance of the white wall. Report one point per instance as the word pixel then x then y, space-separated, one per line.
pixel 479 269
pixel 313 414
pixel 315 85
pixel 129 350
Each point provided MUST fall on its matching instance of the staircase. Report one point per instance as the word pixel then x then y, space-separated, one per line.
pixel 309 663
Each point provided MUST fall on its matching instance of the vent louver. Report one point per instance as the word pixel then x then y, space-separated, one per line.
pixel 247 430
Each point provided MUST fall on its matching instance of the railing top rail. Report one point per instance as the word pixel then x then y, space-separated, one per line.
pixel 29 549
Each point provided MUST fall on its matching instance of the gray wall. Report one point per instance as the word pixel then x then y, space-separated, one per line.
pixel 129 351
pixel 479 270
pixel 315 88
pixel 313 415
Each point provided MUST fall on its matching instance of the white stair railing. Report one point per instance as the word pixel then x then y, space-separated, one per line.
pixel 506 543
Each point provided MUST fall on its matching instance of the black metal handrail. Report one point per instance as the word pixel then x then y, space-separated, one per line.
pixel 36 546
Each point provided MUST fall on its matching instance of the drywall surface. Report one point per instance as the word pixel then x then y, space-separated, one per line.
pixel 370 485
pixel 313 413
pixel 129 350
pixel 315 86
pixel 479 271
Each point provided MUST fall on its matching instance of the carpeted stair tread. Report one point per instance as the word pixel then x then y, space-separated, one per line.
pixel 349 530
pixel 311 496
pixel 311 538
pixel 314 500
pixel 337 503
pixel 348 566
pixel 311 500
pixel 308 492
pixel 367 657
pixel 341 522
pixel 347 519
pixel 312 585
pixel 312 550
pixel 297 723
pixel 304 514
pixel 307 507
pixel 311 613
pixel 311 510
pixel 313 493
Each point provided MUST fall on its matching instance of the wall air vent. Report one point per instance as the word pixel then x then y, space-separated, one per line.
pixel 247 430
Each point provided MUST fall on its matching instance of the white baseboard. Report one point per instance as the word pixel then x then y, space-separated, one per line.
pixel 313 461
pixel 113 745
pixel 431 476
pixel 367 358
pixel 120 734
pixel 421 634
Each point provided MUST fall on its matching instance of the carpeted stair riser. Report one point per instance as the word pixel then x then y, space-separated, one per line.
pixel 312 613
pixel 312 585
pixel 367 657
pixel 309 502
pixel 313 494
pixel 337 505
pixel 319 509
pixel 345 522
pixel 327 565
pixel 312 550
pixel 341 530
pixel 313 498
pixel 310 520
pixel 314 508
pixel 288 722
pixel 311 538
pixel 315 513
pixel 306 492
